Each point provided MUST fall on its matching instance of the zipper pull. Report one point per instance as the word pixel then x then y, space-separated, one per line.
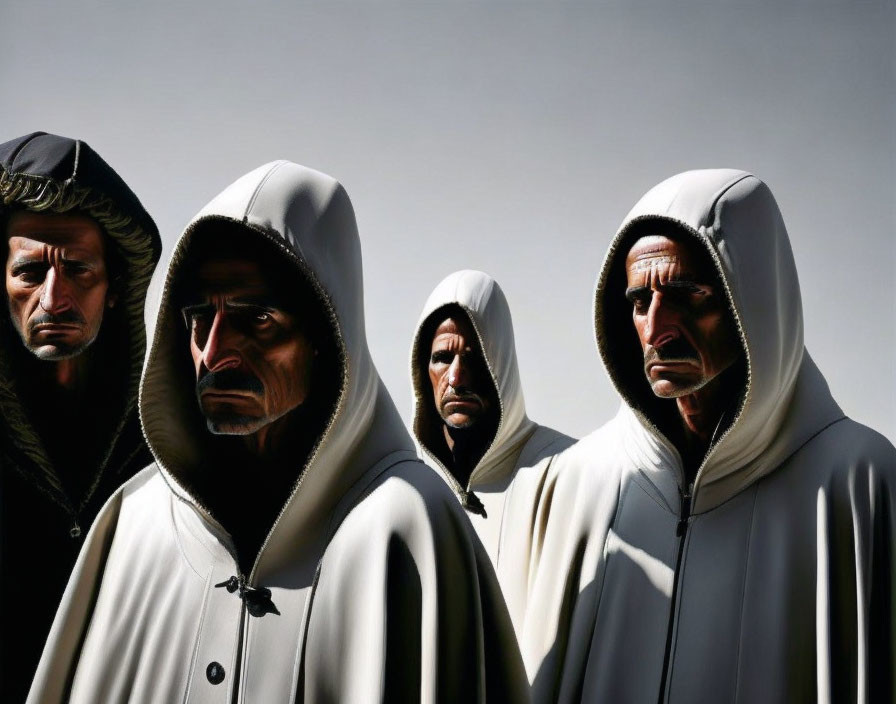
pixel 472 504
pixel 685 514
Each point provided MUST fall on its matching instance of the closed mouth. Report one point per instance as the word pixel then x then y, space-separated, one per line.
pixel 227 395
pixel 51 327
pixel 469 402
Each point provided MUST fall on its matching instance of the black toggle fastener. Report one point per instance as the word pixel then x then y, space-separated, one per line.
pixel 257 599
pixel 472 504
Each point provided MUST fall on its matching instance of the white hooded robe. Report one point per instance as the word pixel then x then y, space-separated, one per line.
pixel 381 589
pixel 774 580
pixel 505 486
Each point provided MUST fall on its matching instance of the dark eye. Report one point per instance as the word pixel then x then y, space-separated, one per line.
pixel 30 274
pixel 441 357
pixel 197 318
pixel 77 270
pixel 31 277
pixel 640 304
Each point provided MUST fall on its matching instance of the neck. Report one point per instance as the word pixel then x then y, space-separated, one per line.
pixel 700 415
pixel 69 373
pixel 287 440
pixel 466 447
pixel 62 376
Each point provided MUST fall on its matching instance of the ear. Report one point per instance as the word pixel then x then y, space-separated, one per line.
pixel 111 300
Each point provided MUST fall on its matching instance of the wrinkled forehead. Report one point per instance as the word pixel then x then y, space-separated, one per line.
pixel 26 230
pixel 675 258
pixel 454 328
pixel 240 278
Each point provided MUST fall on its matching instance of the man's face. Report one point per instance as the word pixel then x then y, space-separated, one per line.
pixel 681 316
pixel 252 360
pixel 461 386
pixel 57 284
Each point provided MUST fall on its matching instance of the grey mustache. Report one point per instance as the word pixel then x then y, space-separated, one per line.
pixel 229 380
pixel 67 317
pixel 674 351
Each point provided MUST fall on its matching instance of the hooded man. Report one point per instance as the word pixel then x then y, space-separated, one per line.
pixel 79 254
pixel 729 535
pixel 286 545
pixel 470 420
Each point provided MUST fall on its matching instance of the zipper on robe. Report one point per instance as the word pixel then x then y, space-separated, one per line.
pixel 681 530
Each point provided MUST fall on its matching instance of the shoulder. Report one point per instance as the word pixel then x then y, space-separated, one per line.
pixel 408 502
pixel 145 485
pixel 545 442
pixel 592 457
pixel 847 443
pixel 141 498
pixel 412 489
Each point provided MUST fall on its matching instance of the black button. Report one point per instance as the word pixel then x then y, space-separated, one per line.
pixel 215 673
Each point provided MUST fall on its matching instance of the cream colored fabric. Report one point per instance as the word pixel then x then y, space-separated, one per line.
pixel 382 591
pixel 780 586
pixel 507 479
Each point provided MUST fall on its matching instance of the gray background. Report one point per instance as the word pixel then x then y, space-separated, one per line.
pixel 511 138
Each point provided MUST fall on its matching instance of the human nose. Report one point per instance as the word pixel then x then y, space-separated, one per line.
pixel 457 373
pixel 54 297
pixel 221 350
pixel 661 322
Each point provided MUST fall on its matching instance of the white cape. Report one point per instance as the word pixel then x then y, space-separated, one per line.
pixel 778 584
pixel 507 481
pixel 382 592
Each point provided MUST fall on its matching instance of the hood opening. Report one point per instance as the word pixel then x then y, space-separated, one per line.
pixel 620 346
pixel 428 425
pixel 248 502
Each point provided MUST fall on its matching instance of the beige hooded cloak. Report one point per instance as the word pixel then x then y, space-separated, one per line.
pixel 505 485
pixel 771 579
pixel 381 591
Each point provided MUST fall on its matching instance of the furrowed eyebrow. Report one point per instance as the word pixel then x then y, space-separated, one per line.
pixel 632 293
pixel 262 303
pixel 25 261
pixel 683 283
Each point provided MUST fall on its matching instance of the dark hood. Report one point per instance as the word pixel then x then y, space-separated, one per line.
pixel 42 172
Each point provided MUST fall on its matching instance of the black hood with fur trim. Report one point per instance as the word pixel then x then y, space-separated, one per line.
pixel 43 508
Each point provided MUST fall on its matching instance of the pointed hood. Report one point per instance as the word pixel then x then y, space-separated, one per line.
pixel 733 215
pixel 44 172
pixel 480 296
pixel 309 218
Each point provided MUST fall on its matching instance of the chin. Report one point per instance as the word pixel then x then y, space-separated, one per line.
pixel 235 425
pixel 460 422
pixel 667 388
pixel 57 353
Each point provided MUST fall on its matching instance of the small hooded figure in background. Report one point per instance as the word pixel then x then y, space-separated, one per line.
pixel 79 253
pixel 470 420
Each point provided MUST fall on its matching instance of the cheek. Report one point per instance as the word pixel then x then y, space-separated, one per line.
pixel 18 295
pixel 714 340
pixel 435 379
pixel 286 375
pixel 196 354
pixel 92 303
pixel 638 320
